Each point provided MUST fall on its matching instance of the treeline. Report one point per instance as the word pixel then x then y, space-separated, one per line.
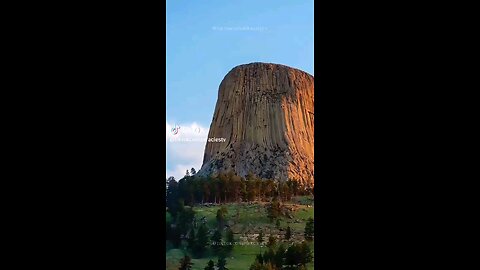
pixel 185 230
pixel 296 256
pixel 186 264
pixel 228 187
pixel 197 237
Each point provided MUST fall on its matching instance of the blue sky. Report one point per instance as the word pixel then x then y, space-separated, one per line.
pixel 205 40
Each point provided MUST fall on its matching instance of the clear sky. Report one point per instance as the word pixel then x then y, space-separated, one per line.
pixel 205 40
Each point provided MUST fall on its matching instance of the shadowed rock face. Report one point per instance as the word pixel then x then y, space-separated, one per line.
pixel 265 113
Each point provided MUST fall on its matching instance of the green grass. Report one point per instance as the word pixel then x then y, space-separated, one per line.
pixel 304 200
pixel 173 257
pixel 240 259
pixel 251 218
pixel 302 214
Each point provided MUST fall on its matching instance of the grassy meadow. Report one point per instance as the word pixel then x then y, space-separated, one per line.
pixel 246 220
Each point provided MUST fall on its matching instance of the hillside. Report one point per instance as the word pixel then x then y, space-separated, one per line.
pixel 246 220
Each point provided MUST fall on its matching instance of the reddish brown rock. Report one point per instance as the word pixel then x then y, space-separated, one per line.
pixel 265 113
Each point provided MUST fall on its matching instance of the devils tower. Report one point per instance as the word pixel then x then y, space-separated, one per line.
pixel 263 123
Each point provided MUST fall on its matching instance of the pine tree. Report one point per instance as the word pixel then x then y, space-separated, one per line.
pixel 191 240
pixel 172 197
pixel 175 237
pixel 268 256
pixel 210 265
pixel 190 189
pixel 256 266
pixel 269 266
pixel 216 240
pixel 185 220
pixel 279 255
pixel 168 226
pixel 199 189
pixel 305 253
pixel 259 258
pixel 250 176
pixel 291 256
pixel 221 264
pixel 236 187
pixel 287 192
pixel 309 230
pixel 243 190
pixel 223 183
pixel 288 234
pixel 216 189
pixel 221 214
pixel 229 239
pixel 257 186
pixel 250 188
pixel 271 241
pixel 202 240
pixel 185 263
pixel 274 209
pixel 260 237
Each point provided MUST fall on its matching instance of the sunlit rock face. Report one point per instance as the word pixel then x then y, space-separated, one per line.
pixel 263 123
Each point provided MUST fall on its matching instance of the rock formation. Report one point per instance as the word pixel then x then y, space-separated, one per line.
pixel 265 113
